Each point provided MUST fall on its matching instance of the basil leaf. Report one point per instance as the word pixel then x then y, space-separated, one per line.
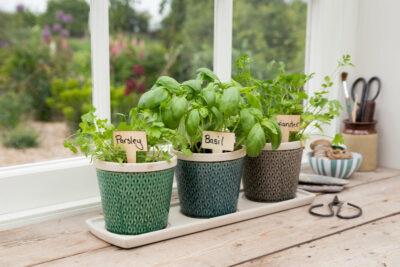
pixel 192 122
pixel 153 98
pixel 208 94
pixel 169 83
pixel 269 125
pixel 218 118
pixel 193 84
pixel 247 120
pixel 168 118
pixel 255 140
pixel 256 113
pixel 229 101
pixel 275 136
pixel 179 107
pixel 206 74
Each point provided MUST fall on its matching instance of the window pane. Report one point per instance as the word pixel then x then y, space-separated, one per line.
pixel 153 38
pixel 44 77
pixel 270 30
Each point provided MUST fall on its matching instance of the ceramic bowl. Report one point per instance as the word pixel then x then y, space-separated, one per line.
pixel 340 168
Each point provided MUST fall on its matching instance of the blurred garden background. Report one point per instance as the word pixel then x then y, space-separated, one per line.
pixel 45 61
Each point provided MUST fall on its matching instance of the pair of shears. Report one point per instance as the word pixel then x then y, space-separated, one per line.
pixel 369 92
pixel 335 203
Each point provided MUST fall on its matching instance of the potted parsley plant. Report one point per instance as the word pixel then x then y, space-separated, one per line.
pixel 135 196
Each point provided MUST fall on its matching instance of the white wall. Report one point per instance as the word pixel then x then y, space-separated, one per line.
pixel 378 53
pixel 369 30
pixel 330 35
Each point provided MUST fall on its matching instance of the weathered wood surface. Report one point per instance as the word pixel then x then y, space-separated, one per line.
pixel 66 242
pixel 45 241
pixel 373 244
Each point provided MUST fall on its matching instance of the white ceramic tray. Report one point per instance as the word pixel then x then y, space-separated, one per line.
pixel 179 224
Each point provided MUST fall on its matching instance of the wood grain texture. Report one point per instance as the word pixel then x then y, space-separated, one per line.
pixel 374 244
pixel 62 238
pixel 46 241
pixel 247 240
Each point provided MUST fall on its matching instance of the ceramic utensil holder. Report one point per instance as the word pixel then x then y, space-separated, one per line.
pixel 362 137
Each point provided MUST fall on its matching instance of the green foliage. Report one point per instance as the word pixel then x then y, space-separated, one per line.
pixel 29 69
pixel 345 61
pixel 95 137
pixel 12 107
pixel 153 98
pixel 285 95
pixel 123 18
pixel 182 44
pixel 21 138
pixel 187 33
pixel 255 141
pixel 71 99
pixel 206 104
pixel 338 140
pixel 79 9
pixel 129 52
pixel 270 30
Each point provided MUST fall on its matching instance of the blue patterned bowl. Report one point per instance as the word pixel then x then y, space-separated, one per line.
pixel 340 168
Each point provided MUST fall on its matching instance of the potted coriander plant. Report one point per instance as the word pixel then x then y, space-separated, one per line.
pixel 135 184
pixel 206 114
pixel 273 175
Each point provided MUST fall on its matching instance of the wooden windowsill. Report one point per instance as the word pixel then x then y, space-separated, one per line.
pixel 281 239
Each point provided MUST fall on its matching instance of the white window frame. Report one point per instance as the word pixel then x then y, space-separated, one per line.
pixel 38 191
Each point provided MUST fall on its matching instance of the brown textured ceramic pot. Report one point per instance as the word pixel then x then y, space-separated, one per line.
pixel 274 174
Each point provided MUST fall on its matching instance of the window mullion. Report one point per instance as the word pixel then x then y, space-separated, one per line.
pixel 223 13
pixel 99 37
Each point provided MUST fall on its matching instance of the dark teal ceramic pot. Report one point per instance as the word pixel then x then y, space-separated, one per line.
pixel 135 196
pixel 209 184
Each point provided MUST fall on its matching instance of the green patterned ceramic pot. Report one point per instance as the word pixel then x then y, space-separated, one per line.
pixel 274 174
pixel 209 184
pixel 135 196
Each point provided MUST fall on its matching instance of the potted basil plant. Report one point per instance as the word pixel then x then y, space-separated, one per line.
pixel 135 196
pixel 273 175
pixel 208 183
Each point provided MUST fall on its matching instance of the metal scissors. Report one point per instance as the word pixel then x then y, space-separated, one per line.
pixel 365 93
pixel 339 204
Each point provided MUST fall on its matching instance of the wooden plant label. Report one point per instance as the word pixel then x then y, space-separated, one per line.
pixel 131 141
pixel 288 123
pixel 218 141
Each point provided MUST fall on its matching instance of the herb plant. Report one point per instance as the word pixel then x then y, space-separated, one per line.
pixel 95 137
pixel 207 104
pixel 285 95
